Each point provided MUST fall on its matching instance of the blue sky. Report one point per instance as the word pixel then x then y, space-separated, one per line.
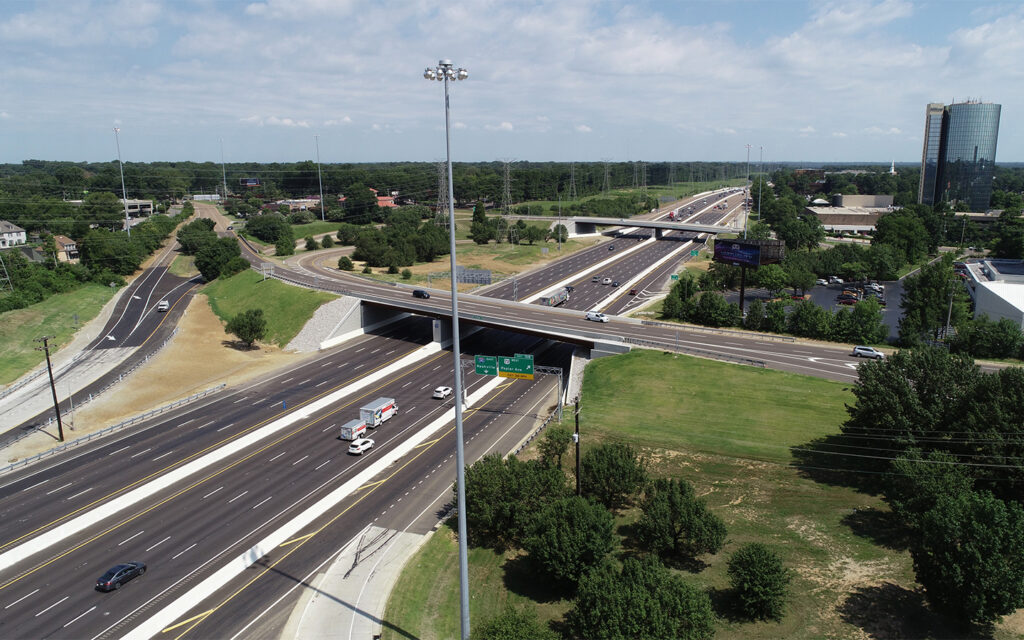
pixel 558 80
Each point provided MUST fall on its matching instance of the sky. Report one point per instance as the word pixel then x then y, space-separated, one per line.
pixel 583 80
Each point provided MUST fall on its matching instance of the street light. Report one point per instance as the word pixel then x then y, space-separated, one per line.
pixel 124 193
pixel 445 71
pixel 318 178
pixel 746 196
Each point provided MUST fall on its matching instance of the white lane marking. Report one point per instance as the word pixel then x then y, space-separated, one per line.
pixel 389 352
pixel 127 539
pixel 226 426
pixel 79 493
pixel 59 488
pixel 142 452
pixel 306 380
pixel 52 606
pixel 359 349
pixel 238 496
pixel 159 543
pixel 213 492
pixel 175 556
pixel 257 402
pixel 237 401
pixel 288 379
pixel 358 367
pixel 325 364
pixel 73 620
pixel 277 456
pixel 163 455
pixel 36 485
pixel 375 351
pixel 186 422
pixel 323 383
pixel 118 451
pixel 260 502
pixel 406 384
pixel 206 424
pixel 299 460
pixel 21 598
pixel 325 430
pixel 320 465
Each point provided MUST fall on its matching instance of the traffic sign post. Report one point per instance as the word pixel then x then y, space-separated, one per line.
pixel 516 367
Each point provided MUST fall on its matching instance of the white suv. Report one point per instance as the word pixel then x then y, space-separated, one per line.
pixel 867 352
pixel 597 316
pixel 163 305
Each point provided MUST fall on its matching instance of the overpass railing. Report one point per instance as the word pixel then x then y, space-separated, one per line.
pixel 667 345
pixel 700 329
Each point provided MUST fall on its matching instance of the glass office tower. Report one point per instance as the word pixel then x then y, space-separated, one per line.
pixel 958 162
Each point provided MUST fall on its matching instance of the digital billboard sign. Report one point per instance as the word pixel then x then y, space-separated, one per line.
pixel 737 253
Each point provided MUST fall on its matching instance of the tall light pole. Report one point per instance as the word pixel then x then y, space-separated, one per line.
pixel 316 138
pixel 746 196
pixel 223 171
pixel 124 192
pixel 445 71
pixel 760 181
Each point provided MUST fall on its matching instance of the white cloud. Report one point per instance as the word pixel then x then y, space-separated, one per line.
pixel 807 130
pixel 891 131
pixel 336 122
pixel 458 125
pixel 838 134
pixel 274 121
pixel 504 126
pixel 582 128
pixel 4 115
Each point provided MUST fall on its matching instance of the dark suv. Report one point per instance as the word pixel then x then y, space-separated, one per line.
pixel 420 293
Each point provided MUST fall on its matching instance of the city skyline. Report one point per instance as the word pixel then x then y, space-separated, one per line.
pixel 654 81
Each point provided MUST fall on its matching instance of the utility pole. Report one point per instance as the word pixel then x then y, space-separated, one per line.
pixel 572 181
pixel 558 230
pixel 53 389
pixel 319 179
pixel 576 439
pixel 746 196
pixel 506 192
pixel 124 192
pixel 223 171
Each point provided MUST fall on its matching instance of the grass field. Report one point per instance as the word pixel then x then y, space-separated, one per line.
pixel 727 429
pixel 54 316
pixel 676 191
pixel 285 307
pixel 314 228
pixel 184 266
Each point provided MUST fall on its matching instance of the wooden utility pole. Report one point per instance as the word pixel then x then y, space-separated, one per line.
pixel 53 389
pixel 576 439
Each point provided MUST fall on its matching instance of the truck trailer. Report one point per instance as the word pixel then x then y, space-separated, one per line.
pixel 353 429
pixel 556 298
pixel 378 411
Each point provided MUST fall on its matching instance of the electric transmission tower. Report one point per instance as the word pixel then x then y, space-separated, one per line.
pixel 607 177
pixel 5 278
pixel 671 173
pixel 643 177
pixel 572 182
pixel 506 192
pixel 441 213
pixel 636 172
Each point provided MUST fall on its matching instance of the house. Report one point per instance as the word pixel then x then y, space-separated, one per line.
pixel 10 234
pixel 67 249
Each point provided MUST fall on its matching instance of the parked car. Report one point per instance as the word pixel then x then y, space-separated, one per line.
pixel 867 352
pixel 359 445
pixel 835 280
pixel 606 281
pixel 420 293
pixel 847 301
pixel 119 574
pixel 231 227
pixel 163 305
pixel 821 281
pixel 596 316
pixel 442 392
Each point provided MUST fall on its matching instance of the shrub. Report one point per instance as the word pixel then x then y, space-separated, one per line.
pixel 345 263
pixel 759 581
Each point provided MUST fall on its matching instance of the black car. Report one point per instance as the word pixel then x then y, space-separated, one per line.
pixel 120 574
pixel 420 293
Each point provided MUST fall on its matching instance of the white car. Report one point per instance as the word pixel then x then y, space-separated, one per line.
pixel 359 445
pixel 606 281
pixel 163 305
pixel 442 392
pixel 821 281
pixel 596 316
pixel 867 352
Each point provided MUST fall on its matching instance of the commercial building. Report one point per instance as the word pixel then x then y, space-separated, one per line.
pixel 959 154
pixel 997 287
pixel 10 234
pixel 851 213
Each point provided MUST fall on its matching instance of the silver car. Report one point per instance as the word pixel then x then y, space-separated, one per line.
pixel 867 352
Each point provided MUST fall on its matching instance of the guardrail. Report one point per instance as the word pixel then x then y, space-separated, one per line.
pixel 117 427
pixel 536 432
pixel 700 329
pixel 713 355
pixel 21 383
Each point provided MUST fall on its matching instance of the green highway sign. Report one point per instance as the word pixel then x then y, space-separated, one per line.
pixel 516 367
pixel 694 252
pixel 486 365
pixel 526 356
pixel 675 276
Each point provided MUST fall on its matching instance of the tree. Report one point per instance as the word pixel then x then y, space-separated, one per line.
pixel 533 234
pixel 345 263
pixel 925 302
pixel 480 232
pixel 643 600
pixel 248 326
pixel 713 310
pixel 311 244
pixel 285 246
pixel 612 472
pixel 213 256
pixel 406 274
pixel 195 234
pixel 759 581
pixel 569 536
pixel 327 242
pixel 559 234
pixel 554 444
pixel 676 522
pixel 360 204
pixel 755 315
pixel 970 556
pixel 513 624
pixel 903 230
pixel 773 278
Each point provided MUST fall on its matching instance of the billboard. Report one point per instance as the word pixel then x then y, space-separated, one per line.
pixel 249 182
pixel 737 253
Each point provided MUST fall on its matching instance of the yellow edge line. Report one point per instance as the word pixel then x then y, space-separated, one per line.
pixel 184 622
pixel 292 541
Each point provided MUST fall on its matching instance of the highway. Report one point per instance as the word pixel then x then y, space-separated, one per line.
pixel 182 531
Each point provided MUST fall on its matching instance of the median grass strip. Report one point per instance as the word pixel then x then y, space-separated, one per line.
pixel 285 307
pixel 60 315
pixel 727 429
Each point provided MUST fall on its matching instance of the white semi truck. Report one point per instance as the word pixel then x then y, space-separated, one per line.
pixel 378 411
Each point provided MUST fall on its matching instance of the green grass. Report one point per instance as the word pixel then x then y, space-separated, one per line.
pixel 285 307
pixel 727 429
pixel 677 190
pixel 184 266
pixel 54 316
pixel 314 228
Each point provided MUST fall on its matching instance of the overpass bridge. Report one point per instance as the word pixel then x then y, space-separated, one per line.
pixel 577 225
